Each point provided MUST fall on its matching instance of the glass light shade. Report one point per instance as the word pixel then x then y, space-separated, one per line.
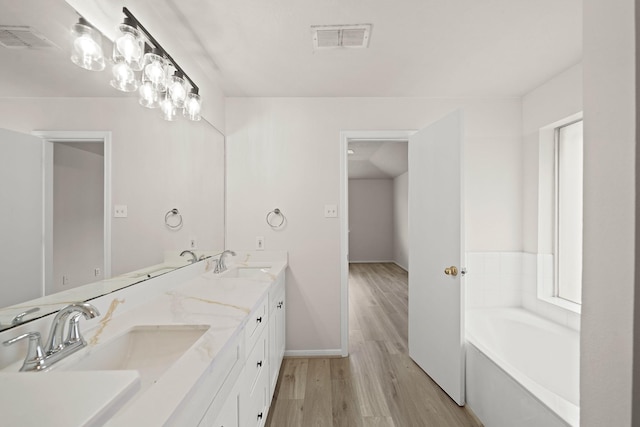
pixel 192 106
pixel 177 90
pixel 168 110
pixel 155 71
pixel 129 47
pixel 149 97
pixel 124 79
pixel 86 48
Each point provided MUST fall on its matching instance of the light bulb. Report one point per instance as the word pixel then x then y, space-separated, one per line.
pixel 192 106
pixel 155 71
pixel 86 48
pixel 124 79
pixel 149 97
pixel 177 91
pixel 168 110
pixel 129 46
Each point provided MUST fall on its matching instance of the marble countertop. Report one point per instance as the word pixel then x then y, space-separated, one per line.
pixel 221 303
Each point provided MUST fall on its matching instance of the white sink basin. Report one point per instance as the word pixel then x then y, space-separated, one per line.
pixel 246 271
pixel 150 350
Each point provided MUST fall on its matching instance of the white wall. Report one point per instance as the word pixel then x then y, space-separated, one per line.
pixel 78 214
pixel 401 220
pixel 21 206
pixel 157 165
pixel 285 152
pixel 552 101
pixel 371 220
pixel 607 338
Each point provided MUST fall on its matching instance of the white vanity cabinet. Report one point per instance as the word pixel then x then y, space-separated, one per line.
pixel 276 330
pixel 247 395
pixel 229 415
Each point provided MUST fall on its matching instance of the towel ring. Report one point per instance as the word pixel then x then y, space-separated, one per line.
pixel 271 216
pixel 173 212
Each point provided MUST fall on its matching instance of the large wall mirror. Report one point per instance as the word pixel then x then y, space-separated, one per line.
pixel 75 150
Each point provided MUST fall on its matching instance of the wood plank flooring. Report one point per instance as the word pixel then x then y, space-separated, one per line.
pixel 378 385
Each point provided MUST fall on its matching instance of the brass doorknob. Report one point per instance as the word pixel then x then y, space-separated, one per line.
pixel 451 271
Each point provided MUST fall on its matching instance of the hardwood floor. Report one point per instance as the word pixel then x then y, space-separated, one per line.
pixel 378 385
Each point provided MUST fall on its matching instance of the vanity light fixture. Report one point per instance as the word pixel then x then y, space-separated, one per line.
pixel 128 47
pixel 124 79
pixel 176 89
pixel 155 69
pixel 139 64
pixel 149 95
pixel 167 108
pixel 192 106
pixel 86 46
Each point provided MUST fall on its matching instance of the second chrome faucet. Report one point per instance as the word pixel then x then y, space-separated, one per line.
pixel 57 347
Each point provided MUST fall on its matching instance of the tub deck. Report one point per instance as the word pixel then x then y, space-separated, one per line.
pixel 540 356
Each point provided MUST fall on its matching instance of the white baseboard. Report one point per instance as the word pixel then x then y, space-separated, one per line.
pixel 336 352
pixel 380 262
pixel 370 262
pixel 401 266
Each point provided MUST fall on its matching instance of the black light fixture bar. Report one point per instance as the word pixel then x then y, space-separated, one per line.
pixel 155 43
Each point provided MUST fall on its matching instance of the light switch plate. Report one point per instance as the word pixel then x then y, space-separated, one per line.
pixel 331 211
pixel 260 243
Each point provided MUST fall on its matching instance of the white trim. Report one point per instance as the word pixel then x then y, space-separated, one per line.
pixel 389 261
pixel 345 137
pixel 47 216
pixel 335 352
pixel 92 136
pixel 401 266
pixel 547 276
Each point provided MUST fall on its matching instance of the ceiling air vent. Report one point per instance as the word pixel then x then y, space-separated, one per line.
pixel 13 37
pixel 336 36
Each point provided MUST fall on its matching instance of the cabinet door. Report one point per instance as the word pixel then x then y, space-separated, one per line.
pixel 276 339
pixel 229 414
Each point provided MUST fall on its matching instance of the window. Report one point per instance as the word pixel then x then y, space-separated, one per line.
pixel 568 212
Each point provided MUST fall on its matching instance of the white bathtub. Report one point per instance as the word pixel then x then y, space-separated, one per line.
pixel 541 362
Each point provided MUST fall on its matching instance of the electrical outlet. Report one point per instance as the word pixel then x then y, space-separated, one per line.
pixel 65 280
pixel 96 272
pixel 193 244
pixel 330 211
pixel 120 211
pixel 260 243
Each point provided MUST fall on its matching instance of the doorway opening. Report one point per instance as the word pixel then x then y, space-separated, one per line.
pixel 77 206
pixel 372 164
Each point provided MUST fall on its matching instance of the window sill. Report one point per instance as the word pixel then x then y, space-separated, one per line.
pixel 562 303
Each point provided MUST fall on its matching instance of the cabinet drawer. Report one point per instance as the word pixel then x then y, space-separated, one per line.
pixel 257 402
pixel 256 362
pixel 256 324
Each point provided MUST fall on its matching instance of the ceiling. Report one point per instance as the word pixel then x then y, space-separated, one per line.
pixel 378 159
pixel 432 48
pixel 46 72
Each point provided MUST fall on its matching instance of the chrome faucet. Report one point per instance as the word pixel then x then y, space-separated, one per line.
pixel 220 264
pixel 18 317
pixel 57 348
pixel 193 259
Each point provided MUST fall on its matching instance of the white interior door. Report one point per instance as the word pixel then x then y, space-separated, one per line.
pixel 436 243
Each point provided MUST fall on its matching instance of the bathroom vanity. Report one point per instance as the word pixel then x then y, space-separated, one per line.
pixel 188 348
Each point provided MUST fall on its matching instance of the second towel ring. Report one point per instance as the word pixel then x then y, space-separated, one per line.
pixel 172 212
pixel 271 218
